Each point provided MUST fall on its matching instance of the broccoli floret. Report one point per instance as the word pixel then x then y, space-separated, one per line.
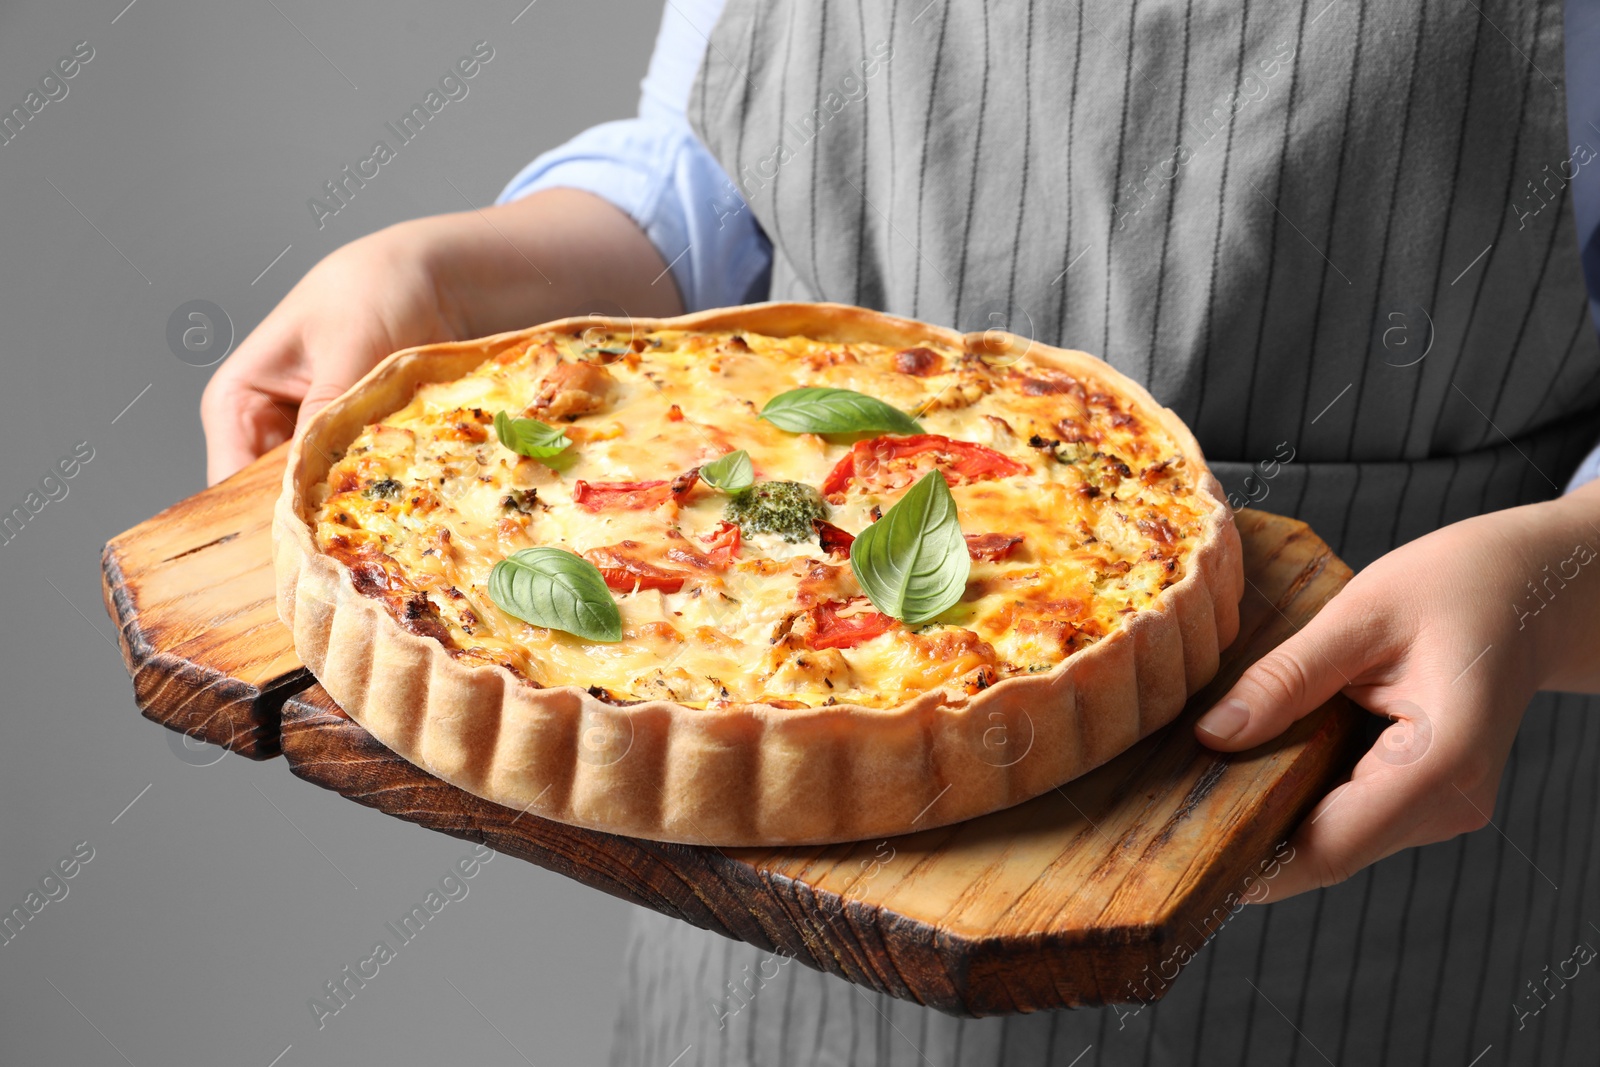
pixel 783 508
pixel 383 488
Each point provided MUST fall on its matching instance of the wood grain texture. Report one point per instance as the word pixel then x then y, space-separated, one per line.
pixel 192 594
pixel 1094 893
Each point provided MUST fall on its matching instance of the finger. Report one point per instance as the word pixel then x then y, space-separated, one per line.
pixel 1327 847
pixel 1289 682
pixel 325 388
pixel 241 424
pixel 248 406
pixel 339 360
pixel 1382 809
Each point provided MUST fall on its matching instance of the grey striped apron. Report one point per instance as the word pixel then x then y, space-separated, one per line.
pixel 1336 237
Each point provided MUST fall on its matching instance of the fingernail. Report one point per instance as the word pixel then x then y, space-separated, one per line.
pixel 1226 719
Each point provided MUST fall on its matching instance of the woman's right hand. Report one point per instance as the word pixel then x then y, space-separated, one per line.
pixel 443 278
pixel 372 297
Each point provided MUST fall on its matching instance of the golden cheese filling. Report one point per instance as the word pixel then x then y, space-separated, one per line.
pixel 1077 508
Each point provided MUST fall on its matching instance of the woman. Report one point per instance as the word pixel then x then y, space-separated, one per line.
pixel 1333 231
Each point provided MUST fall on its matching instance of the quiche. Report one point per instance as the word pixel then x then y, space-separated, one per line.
pixel 779 574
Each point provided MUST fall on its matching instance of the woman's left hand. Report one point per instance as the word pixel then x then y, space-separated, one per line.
pixel 1446 637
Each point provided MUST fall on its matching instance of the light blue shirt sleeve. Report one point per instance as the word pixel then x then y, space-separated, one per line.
pixel 655 169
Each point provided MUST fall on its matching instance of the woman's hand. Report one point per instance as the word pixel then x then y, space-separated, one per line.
pixel 1445 637
pixel 450 277
pixel 372 297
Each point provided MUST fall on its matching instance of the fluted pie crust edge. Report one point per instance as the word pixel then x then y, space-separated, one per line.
pixel 749 774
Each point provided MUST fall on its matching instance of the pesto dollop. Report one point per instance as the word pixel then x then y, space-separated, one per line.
pixel 783 508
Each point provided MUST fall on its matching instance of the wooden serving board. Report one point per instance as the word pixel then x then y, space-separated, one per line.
pixel 1062 901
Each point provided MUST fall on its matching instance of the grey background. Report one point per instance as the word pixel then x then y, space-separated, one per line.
pixel 224 898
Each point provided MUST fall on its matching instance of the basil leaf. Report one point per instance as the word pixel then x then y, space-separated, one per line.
pixel 817 409
pixel 730 473
pixel 552 587
pixel 530 437
pixel 913 562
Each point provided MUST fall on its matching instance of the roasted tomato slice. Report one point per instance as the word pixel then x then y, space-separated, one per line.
pixel 598 496
pixel 834 541
pixel 624 571
pixel 834 630
pixel 724 548
pixel 632 496
pixel 724 542
pixel 875 462
pixel 684 482
pixel 992 547
pixel 624 496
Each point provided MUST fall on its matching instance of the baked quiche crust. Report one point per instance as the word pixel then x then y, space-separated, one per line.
pixel 761 771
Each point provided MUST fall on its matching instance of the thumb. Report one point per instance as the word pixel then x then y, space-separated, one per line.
pixel 324 389
pixel 338 362
pixel 1287 683
pixel 241 424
